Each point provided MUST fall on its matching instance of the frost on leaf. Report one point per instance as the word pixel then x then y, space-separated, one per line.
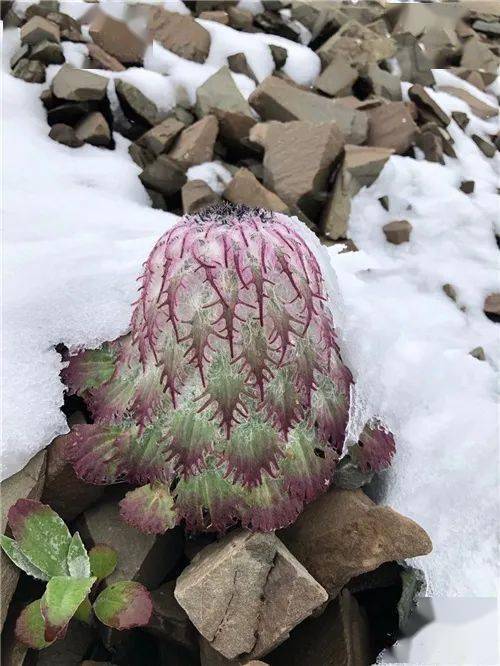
pixel 60 602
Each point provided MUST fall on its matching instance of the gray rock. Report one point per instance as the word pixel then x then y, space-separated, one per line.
pixel 180 34
pixel 94 130
pixel 169 621
pixel 37 29
pixel 337 78
pixel 78 85
pixel 279 55
pixel 450 291
pixel 161 137
pixel 196 195
pixel 441 46
pixel 135 103
pixel 65 135
pixel 486 147
pixel 246 592
pixel 357 44
pixel 70 650
pixel 428 108
pixel 431 145
pixel 100 59
pixel 477 54
pixel 19 54
pixel 164 176
pixel 244 188
pixel 31 71
pixel 397 232
pixel 383 83
pixel 116 38
pixel 195 144
pixel 50 53
pixel 478 352
pixel 413 63
pixel 461 118
pixel 392 126
pixel 220 92
pixel 491 28
pixel 478 107
pixel 141 156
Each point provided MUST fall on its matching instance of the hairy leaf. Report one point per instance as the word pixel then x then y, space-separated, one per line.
pixel 103 560
pixel 375 448
pixel 150 508
pixel 60 601
pixel 12 550
pixel 124 605
pixel 78 560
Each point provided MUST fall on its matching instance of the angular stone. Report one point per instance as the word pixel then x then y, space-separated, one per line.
pixel 210 657
pixel 491 307
pixel 219 16
pixel 478 352
pixel 19 54
pixel 116 38
pixel 397 232
pixel 357 44
pixel 161 137
pixel 274 24
pixel 246 189
pixel 383 83
pixel 337 78
pixel 69 113
pixel 70 650
pixel 279 55
pixel 491 28
pixel 94 130
pixel 418 18
pixel 338 637
pixel 195 144
pixel 180 34
pixel 343 534
pixel 25 484
pixel 429 109
pixel 66 135
pixel 238 63
pixel 478 107
pixel 196 195
pixel 37 29
pixel 164 175
pixel 50 53
pixel 275 99
pixel 413 63
pixel 450 291
pixel 146 558
pixel 298 160
pixel 169 621
pixel 240 19
pixel 246 592
pixel 141 156
pixel 221 92
pixel 486 147
pixel 432 146
pixel 78 85
pixel 135 104
pixel 467 186
pixel 477 55
pixel 461 118
pixel 441 46
pixel 384 202
pixel 68 26
pixel 103 60
pixel 391 126
pixel 234 128
pixel 360 167
pixel 31 71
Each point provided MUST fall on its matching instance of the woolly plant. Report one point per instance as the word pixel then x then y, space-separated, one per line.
pixel 44 549
pixel 228 400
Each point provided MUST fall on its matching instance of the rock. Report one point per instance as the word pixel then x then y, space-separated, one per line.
pixel 337 78
pixel 491 307
pixel 450 291
pixel 382 83
pixel 384 202
pixel 397 232
pixel 419 18
pixel 146 558
pixel 491 28
pixel 180 34
pixel 116 38
pixel 234 128
pixel 25 484
pixel 274 24
pixel 477 55
pixel 487 148
pixel 100 59
pixel 238 64
pixel 467 186
pixel 391 126
pixel 21 53
pixel 461 118
pixel 70 650
pixel 50 53
pixel 195 144
pixel 94 130
pixel 413 63
pixel 31 71
pixel 164 175
pixel 246 592
pixel 279 55
pixel 69 113
pixel 161 137
pixel 360 167
pixel 478 107
pixel 11 19
pixel 141 156
pixel 444 138
pixel 427 107
pixel 246 189
pixel 441 46
pixel 68 26
pixel 275 99
pixel 219 16
pixel 210 657
pixel 356 44
pixel 136 106
pixel 340 636
pixel 343 534
pixel 38 29
pixel 431 145
pixel 298 160
pixel 78 85
pixel 196 195
pixel 13 652
pixel 66 135
pixel 221 92
pixel 169 621
pixel 478 352
pixel 240 19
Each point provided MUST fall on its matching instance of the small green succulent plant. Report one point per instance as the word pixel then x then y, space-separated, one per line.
pixel 44 548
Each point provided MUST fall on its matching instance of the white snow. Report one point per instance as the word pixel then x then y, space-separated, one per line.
pixel 214 174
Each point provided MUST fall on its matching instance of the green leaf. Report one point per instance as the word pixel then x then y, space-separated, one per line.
pixel 41 535
pixel 84 611
pixel 124 605
pixel 149 508
pixel 12 550
pixel 103 560
pixel 60 602
pixel 30 627
pixel 78 560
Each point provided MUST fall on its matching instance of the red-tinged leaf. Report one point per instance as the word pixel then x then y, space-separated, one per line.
pixel 375 448
pixel 30 627
pixel 149 508
pixel 268 507
pixel 124 605
pixel 89 369
pixel 61 599
pixel 103 560
pixel 253 450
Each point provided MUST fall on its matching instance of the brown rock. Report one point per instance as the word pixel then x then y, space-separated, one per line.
pixel 135 104
pixel 391 126
pixel 234 128
pixel 94 130
pixel 246 189
pixel 397 232
pixel 141 156
pixel 441 46
pixel 246 592
pixel 78 85
pixel 275 99
pixel 427 107
pixel 279 55
pixel 116 38
pixel 25 484
pixel 340 636
pixel 70 650
pixel 50 53
pixel 461 118
pixel 477 55
pixel 432 146
pixel 195 144
pixel 38 29
pixel 238 64
pixel 219 16
pixel 337 78
pixel 486 147
pixel 450 291
pixel 492 306
pixel 161 137
pixel 357 44
pixel 66 135
pixel 479 108
pixel 196 195
pixel 343 534
pixel 414 64
pixel 164 175
pixel 240 19
pixel 467 186
pixel 298 160
pixel 21 53
pixel 382 83
pixel 146 558
pixel 31 71
pixel 68 26
pixel 102 60
pixel 418 18
pixel 180 34
pixel 221 92
pixel 169 621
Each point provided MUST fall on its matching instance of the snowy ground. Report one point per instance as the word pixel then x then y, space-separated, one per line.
pixel 78 225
